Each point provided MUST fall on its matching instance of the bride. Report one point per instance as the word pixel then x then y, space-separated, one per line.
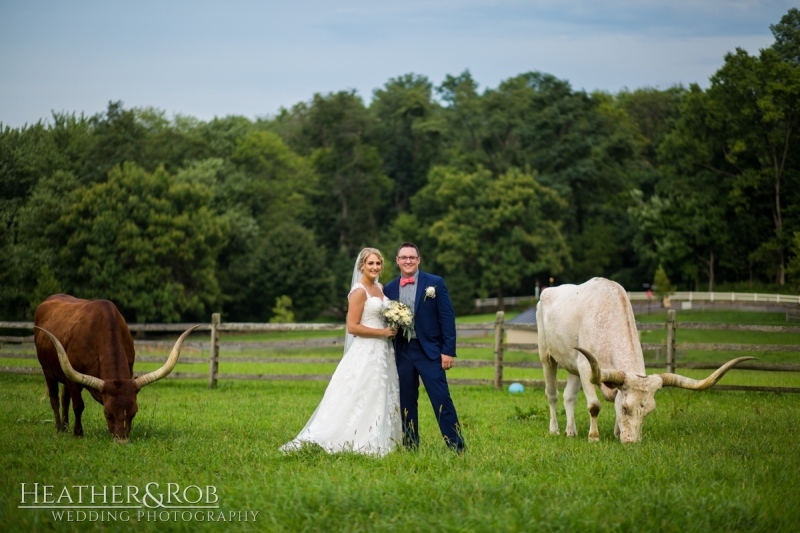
pixel 360 411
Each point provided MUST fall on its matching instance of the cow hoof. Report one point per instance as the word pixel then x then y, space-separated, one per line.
pixel 594 438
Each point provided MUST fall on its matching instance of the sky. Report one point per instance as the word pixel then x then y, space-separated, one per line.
pixel 253 57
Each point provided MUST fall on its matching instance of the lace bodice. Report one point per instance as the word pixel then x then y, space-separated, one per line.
pixel 372 316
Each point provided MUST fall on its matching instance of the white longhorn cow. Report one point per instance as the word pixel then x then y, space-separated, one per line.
pixel 589 331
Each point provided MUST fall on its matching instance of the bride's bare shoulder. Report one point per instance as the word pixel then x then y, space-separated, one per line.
pixel 354 290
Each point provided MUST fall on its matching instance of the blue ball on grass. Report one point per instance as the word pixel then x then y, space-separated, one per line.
pixel 516 388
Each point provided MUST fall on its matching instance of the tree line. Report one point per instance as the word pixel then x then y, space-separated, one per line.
pixel 501 188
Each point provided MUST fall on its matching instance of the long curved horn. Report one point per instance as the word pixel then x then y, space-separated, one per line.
pixel 675 380
pixel 82 379
pixel 600 375
pixel 172 360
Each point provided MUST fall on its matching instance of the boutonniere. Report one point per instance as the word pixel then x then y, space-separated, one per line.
pixel 430 292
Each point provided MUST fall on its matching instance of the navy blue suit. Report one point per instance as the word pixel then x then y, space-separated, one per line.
pixel 435 327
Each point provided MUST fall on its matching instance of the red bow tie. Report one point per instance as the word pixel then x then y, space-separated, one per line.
pixel 406 281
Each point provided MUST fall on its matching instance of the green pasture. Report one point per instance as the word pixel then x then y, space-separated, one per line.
pixel 709 461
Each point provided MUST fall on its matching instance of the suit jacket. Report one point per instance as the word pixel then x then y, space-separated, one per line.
pixel 434 319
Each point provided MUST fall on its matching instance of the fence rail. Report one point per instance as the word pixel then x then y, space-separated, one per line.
pixel 12 347
pixel 680 296
pixel 672 347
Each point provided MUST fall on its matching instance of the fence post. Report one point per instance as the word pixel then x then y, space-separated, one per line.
pixel 671 327
pixel 498 350
pixel 214 356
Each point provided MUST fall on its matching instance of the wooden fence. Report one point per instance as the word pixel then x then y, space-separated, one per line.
pixel 677 297
pixel 16 346
pixel 672 347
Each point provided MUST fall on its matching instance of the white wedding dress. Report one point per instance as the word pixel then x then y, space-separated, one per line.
pixel 360 411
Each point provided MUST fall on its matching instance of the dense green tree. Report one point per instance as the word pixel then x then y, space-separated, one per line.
pixel 408 131
pixel 288 261
pixel 759 97
pixel 117 137
pixel 533 120
pixel 274 184
pixel 32 255
pixel 146 241
pixel 262 266
pixel 332 131
pixel 220 136
pixel 466 121
pixel 787 37
pixel 686 225
pixel 28 154
pixel 499 230
pixel 599 194
pixel 73 137
pixel 145 136
pixel 583 146
pixel 685 233
pixel 654 112
pixel 10 303
pixel 234 260
pixel 171 143
pixel 735 145
pixel 793 267
pixel 264 186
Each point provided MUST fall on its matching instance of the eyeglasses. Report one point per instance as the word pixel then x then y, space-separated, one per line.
pixel 408 257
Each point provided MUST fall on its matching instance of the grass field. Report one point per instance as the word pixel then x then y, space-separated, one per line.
pixel 708 461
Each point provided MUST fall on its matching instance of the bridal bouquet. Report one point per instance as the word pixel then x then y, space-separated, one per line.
pixel 399 315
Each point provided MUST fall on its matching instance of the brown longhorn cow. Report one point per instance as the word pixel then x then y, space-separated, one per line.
pixel 87 344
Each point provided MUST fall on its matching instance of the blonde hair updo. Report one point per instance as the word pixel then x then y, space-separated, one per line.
pixel 366 252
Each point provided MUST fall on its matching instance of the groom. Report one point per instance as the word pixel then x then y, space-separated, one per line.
pixel 431 350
